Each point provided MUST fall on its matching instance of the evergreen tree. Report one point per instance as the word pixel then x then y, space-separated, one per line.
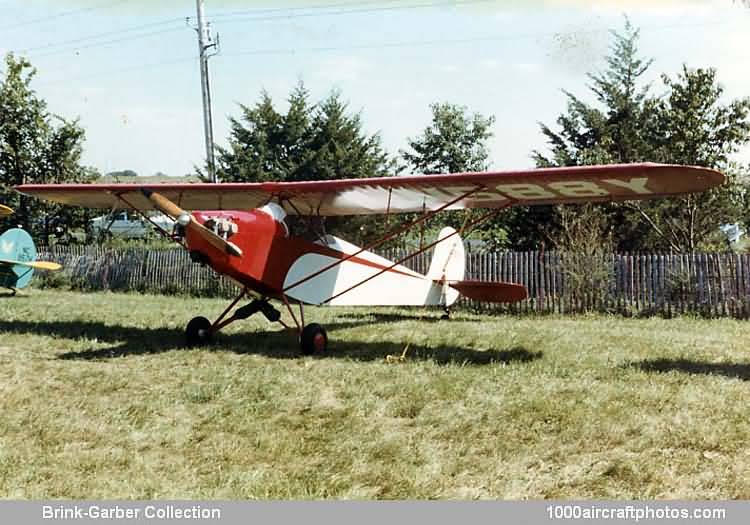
pixel 256 149
pixel 338 147
pixel 309 142
pixel 689 125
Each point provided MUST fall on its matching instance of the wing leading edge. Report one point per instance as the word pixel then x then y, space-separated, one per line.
pixel 403 194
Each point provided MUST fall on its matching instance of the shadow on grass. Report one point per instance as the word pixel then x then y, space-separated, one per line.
pixel 687 366
pixel 281 344
pixel 8 294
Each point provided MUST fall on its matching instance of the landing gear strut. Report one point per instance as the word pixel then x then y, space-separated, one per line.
pixel 446 314
pixel 312 338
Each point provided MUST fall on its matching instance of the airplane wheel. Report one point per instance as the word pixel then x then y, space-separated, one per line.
pixel 314 339
pixel 198 331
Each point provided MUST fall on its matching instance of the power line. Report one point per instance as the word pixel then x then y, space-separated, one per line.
pixel 99 35
pixel 306 8
pixel 387 45
pixel 61 15
pixel 106 43
pixel 443 41
pixel 452 3
pixel 119 71
pixel 174 20
pixel 67 45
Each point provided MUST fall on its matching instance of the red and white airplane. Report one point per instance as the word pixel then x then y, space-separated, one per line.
pixel 239 229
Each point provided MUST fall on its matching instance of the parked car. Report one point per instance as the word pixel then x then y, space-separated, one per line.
pixel 129 225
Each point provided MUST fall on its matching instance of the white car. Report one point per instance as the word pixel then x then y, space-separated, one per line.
pixel 130 225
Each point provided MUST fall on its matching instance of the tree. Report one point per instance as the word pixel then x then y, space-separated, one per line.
pixel 692 126
pixel 613 132
pixel 124 173
pixel 257 150
pixel 309 142
pixel 688 125
pixel 454 142
pixel 338 147
pixel 35 147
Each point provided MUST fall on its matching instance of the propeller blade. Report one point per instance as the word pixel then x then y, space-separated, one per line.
pixel 5 211
pixel 213 239
pixel 168 207
pixel 164 205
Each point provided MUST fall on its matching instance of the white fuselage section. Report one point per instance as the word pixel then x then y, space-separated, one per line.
pixel 347 283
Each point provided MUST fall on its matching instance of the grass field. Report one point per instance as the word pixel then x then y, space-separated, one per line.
pixel 99 399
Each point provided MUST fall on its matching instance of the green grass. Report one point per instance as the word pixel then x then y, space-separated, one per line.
pixel 99 399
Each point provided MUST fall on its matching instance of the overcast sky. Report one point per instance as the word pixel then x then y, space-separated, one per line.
pixel 128 68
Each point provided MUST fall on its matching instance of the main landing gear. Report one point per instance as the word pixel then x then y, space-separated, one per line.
pixel 198 332
pixel 312 338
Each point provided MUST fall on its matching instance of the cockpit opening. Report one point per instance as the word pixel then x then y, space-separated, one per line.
pixel 278 213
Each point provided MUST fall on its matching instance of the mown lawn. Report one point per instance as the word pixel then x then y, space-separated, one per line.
pixel 100 399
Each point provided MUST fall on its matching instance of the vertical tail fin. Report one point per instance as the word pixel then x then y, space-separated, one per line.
pixel 448 264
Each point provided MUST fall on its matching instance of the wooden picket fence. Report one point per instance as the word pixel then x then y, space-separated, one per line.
pixel 710 284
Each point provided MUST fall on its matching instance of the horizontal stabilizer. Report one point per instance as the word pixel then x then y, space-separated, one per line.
pixel 38 265
pixel 490 292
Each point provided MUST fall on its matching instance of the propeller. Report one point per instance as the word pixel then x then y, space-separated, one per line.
pixel 5 211
pixel 186 220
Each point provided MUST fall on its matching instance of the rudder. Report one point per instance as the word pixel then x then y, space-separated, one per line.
pixel 448 264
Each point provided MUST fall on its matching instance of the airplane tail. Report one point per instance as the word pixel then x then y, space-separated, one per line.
pixel 448 264
pixel 447 271
pixel 365 278
pixel 18 259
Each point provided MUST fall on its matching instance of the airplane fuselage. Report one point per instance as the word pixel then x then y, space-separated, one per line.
pixel 275 264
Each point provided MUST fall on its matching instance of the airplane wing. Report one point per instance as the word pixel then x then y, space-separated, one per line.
pixel 414 193
pixel 39 265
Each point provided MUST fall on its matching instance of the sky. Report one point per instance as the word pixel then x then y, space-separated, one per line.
pixel 128 69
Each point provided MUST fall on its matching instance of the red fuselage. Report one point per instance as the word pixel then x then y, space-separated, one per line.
pixel 267 250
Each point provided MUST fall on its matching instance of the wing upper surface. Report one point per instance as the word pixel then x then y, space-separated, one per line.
pixel 403 194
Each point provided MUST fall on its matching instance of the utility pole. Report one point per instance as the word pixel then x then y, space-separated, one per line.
pixel 205 44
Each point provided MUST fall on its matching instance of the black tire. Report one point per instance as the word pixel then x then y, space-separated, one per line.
pixel 198 332
pixel 314 340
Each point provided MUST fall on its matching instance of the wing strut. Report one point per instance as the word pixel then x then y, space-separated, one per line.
pixel 387 237
pixel 164 232
pixel 475 222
